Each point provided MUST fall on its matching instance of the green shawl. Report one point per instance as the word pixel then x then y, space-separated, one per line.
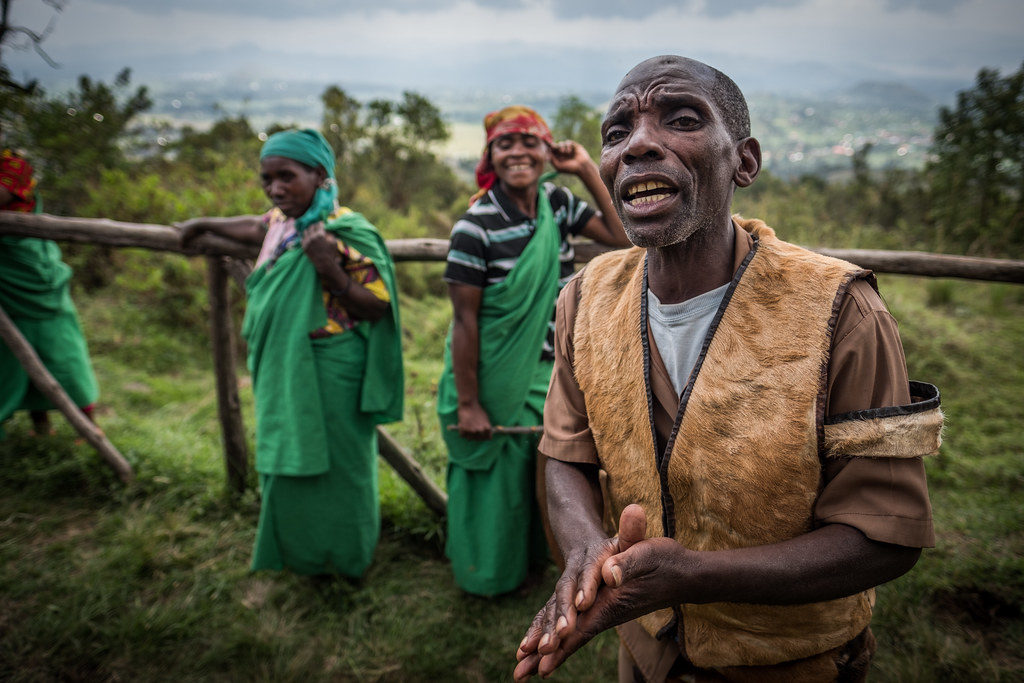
pixel 33 279
pixel 285 305
pixel 35 292
pixel 513 322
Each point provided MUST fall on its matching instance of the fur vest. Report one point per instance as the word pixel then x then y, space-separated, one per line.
pixel 745 468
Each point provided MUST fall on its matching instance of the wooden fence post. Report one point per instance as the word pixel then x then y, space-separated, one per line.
pixel 229 409
pixel 52 389
pixel 409 470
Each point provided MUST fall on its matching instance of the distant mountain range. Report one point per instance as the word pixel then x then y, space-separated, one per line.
pixel 502 67
pixel 808 133
pixel 809 117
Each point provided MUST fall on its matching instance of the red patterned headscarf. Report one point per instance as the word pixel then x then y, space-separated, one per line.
pixel 16 178
pixel 517 118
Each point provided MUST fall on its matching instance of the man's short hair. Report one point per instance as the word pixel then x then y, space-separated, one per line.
pixel 732 104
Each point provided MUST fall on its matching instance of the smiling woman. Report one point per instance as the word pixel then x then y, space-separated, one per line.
pixel 509 256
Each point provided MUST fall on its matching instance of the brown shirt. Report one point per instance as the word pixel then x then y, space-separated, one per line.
pixel 885 498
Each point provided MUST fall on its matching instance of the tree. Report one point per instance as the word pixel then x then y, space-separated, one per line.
pixel 388 147
pixel 413 122
pixel 577 120
pixel 402 137
pixel 421 122
pixel 343 128
pixel 72 138
pixel 228 140
pixel 977 176
pixel 11 32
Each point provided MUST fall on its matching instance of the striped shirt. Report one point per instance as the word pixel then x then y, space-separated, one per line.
pixel 487 240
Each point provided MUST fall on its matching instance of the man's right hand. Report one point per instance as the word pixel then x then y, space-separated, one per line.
pixel 474 423
pixel 575 593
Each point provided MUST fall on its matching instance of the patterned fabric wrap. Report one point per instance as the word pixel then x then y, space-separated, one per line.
pixel 281 236
pixel 307 146
pixel 362 271
pixel 517 118
pixel 16 178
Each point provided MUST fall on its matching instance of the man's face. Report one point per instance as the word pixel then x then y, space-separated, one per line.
pixel 667 157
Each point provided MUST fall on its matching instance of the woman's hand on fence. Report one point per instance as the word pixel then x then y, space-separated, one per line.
pixel 191 229
pixel 245 229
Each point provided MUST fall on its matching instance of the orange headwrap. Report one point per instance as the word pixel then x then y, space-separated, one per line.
pixel 517 118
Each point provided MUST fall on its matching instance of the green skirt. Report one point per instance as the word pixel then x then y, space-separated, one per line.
pixel 34 293
pixel 327 523
pixel 495 532
pixel 61 347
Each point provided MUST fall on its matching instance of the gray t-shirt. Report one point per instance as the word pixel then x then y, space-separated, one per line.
pixel 679 331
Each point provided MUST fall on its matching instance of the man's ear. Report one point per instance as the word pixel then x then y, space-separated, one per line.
pixel 749 152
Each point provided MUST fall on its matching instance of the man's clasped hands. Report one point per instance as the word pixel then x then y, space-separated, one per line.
pixel 604 584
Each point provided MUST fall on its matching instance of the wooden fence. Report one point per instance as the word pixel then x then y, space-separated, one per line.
pixel 227 259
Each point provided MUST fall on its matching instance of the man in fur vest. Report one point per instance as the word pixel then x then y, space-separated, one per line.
pixel 735 450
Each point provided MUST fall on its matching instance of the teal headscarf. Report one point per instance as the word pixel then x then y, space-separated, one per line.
pixel 309 147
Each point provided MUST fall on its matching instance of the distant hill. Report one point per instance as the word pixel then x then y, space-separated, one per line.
pixel 800 134
pixel 888 95
pixel 818 134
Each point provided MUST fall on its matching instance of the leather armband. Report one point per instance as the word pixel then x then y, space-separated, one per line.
pixel 908 431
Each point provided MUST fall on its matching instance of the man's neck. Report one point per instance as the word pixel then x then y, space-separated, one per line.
pixel 690 268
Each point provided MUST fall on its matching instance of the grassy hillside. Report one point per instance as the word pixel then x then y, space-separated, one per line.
pixel 150 582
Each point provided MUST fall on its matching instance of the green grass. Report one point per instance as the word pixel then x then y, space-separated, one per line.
pixel 150 582
pixel 959 614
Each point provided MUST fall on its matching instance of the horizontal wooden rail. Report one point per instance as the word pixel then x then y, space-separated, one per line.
pixel 117 234
pixel 165 238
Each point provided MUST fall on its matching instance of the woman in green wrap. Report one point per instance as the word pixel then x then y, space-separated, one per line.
pixel 34 292
pixel 508 258
pixel 322 329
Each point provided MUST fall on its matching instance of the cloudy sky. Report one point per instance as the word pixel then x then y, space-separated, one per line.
pixel 572 44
